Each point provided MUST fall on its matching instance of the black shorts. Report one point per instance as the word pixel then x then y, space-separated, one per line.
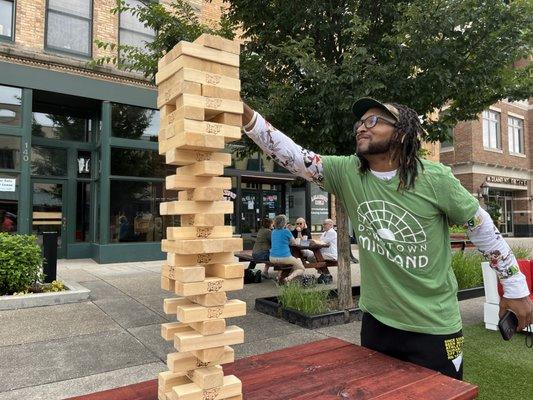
pixel 442 353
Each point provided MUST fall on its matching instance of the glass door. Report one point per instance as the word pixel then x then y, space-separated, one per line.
pixel 49 211
pixel 250 211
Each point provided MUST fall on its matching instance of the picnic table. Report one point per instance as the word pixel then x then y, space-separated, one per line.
pixel 327 369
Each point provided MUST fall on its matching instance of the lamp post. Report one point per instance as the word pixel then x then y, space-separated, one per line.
pixel 484 191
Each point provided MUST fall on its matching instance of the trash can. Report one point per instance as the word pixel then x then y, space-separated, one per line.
pixel 50 256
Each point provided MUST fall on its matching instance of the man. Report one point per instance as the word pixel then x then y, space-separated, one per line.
pixel 328 237
pixel 400 207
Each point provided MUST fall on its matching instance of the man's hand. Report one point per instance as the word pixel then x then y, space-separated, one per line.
pixel 247 115
pixel 523 308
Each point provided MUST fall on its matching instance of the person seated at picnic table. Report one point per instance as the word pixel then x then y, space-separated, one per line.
pixel 261 249
pixel 329 237
pixel 280 253
pixel 301 231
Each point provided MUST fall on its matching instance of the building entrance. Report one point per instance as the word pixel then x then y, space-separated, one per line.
pixel 261 201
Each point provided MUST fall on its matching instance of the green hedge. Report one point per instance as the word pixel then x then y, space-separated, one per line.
pixel 467 268
pixel 20 262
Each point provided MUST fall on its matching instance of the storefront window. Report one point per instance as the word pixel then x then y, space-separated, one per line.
pixel 319 207
pixel 9 186
pixel 9 152
pixel 130 122
pixel 296 200
pixel 48 161
pixel 134 211
pixel 138 162
pixel 83 211
pixel 65 127
pixel 10 105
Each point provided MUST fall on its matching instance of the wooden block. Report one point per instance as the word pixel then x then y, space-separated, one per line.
pixel 203 78
pixel 191 141
pixel 195 207
pixel 218 42
pixel 209 355
pixel 165 111
pixel 161 395
pixel 238 397
pixel 201 168
pixel 203 127
pixel 201 52
pixel 169 91
pixel 183 362
pixel 169 329
pixel 193 273
pixel 170 305
pixel 226 271
pixel 219 92
pixel 167 284
pixel 202 220
pixel 228 119
pixel 191 232
pixel 232 386
pixel 186 157
pixel 211 105
pixel 210 300
pixel 195 246
pixel 210 327
pixel 191 312
pixel 182 113
pixel 207 377
pixel 176 182
pixel 169 65
pixel 209 285
pixel 166 380
pixel 184 260
pixel 202 194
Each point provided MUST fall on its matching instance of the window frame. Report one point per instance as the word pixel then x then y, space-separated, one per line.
pixel 120 28
pixel 11 38
pixel 510 132
pixel 498 137
pixel 64 51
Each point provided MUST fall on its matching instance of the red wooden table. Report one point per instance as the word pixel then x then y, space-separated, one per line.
pixel 325 370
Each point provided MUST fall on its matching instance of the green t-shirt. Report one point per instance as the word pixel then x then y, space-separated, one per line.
pixel 407 281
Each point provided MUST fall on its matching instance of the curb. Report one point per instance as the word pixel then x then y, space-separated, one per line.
pixel 75 293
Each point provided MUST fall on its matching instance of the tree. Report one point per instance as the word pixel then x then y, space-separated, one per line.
pixel 303 65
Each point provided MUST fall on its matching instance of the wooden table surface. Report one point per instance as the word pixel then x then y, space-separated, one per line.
pixel 325 370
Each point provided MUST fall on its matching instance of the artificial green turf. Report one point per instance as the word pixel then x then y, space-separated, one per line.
pixel 501 370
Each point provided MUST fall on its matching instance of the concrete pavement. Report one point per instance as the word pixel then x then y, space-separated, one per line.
pixel 113 339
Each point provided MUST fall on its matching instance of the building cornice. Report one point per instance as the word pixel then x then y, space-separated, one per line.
pixel 491 169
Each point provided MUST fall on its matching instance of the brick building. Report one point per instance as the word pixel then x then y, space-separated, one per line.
pixel 492 158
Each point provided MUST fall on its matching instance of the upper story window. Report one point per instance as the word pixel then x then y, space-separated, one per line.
pixel 515 128
pixel 7 16
pixel 69 26
pixel 132 31
pixel 491 130
pixel 448 143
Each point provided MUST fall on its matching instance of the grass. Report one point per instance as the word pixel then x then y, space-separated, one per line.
pixel 501 370
pixel 521 252
pixel 308 301
pixel 467 268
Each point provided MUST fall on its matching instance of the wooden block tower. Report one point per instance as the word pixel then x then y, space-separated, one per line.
pixel 199 98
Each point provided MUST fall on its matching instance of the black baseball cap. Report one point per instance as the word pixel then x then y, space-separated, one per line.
pixel 361 106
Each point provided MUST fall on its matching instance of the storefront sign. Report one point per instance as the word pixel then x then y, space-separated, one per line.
pixel 507 180
pixel 8 185
pixel 319 205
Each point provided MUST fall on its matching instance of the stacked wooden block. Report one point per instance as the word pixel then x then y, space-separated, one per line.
pixel 199 98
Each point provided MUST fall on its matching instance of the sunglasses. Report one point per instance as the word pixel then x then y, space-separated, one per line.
pixel 371 122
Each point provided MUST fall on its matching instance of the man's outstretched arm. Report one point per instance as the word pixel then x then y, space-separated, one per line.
pixel 490 242
pixel 281 148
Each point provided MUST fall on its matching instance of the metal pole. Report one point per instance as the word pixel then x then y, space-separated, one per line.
pixel 50 256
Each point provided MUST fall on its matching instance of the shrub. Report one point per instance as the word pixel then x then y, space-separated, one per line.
pixel 521 252
pixel 467 268
pixel 20 262
pixel 308 301
pixel 457 229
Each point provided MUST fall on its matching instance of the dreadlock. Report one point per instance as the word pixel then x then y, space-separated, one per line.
pixel 405 147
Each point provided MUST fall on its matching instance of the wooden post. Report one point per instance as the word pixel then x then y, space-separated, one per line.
pixel 201 111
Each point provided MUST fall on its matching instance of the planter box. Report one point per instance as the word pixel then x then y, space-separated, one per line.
pixel 74 293
pixel 271 306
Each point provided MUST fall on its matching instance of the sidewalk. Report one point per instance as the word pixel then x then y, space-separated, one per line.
pixel 114 339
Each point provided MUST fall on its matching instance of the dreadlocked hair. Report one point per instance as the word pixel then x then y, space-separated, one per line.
pixel 405 147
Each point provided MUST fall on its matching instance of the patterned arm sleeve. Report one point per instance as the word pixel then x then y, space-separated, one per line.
pixel 495 249
pixel 285 152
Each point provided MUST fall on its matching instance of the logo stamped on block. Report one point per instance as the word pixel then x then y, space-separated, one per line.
pixel 214 312
pixel 213 79
pixel 214 286
pixel 204 232
pixel 171 272
pixel 213 102
pixel 202 156
pixel 211 394
pixel 203 258
pixel 212 128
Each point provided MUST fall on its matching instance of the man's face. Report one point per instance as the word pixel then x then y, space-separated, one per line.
pixel 375 140
pixel 326 226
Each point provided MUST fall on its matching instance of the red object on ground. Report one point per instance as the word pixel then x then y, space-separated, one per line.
pixel 328 369
pixel 526 267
